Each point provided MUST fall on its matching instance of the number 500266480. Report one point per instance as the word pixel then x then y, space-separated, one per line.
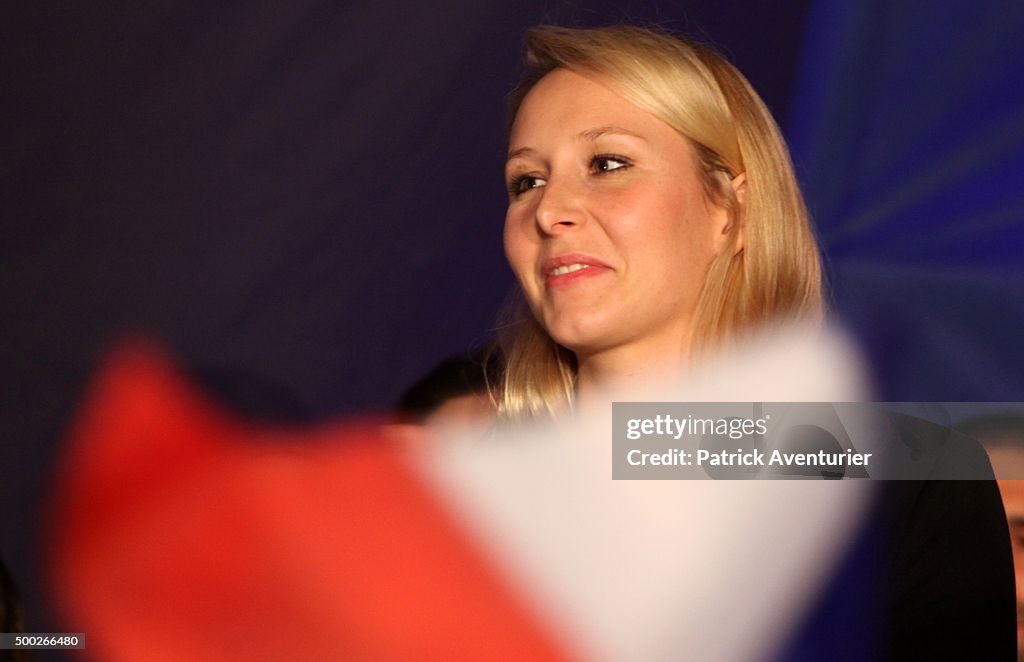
pixel 42 641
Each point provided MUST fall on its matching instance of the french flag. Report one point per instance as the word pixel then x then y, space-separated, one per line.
pixel 181 531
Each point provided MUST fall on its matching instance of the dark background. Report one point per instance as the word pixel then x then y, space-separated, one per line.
pixel 303 201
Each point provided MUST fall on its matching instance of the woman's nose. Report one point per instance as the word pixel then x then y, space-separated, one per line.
pixel 560 208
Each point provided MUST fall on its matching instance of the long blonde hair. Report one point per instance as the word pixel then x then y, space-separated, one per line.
pixel 777 273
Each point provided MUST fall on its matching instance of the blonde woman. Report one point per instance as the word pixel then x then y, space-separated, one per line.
pixel 653 217
pixel 653 214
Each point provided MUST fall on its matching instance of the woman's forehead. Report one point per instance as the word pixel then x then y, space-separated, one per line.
pixel 567 105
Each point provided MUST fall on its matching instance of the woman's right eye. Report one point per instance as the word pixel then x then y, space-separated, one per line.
pixel 524 183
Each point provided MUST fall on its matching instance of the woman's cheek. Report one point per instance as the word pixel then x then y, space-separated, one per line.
pixel 625 201
pixel 514 238
pixel 520 252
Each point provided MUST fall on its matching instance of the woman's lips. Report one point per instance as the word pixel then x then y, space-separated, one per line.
pixel 567 269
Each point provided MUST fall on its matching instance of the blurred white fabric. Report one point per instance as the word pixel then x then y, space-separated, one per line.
pixel 671 569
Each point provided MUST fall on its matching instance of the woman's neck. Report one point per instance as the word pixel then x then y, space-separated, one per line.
pixel 626 373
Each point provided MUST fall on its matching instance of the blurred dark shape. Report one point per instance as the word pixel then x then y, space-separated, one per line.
pixel 948 572
pixel 825 433
pixel 807 440
pixel 455 377
pixel 1003 437
pixel 921 436
pixel 10 612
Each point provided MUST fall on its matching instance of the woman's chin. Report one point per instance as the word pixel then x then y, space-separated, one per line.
pixel 577 342
pixel 580 333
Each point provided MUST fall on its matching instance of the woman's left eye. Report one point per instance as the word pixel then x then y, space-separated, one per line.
pixel 604 163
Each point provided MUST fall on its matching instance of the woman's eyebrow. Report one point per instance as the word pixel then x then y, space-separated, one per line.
pixel 518 152
pixel 597 132
pixel 589 135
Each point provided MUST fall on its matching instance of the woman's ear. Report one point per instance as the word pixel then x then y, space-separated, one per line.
pixel 739 189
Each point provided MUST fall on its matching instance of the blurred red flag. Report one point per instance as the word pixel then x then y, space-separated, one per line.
pixel 181 532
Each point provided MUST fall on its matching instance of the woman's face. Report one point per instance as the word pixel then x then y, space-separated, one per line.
pixel 608 228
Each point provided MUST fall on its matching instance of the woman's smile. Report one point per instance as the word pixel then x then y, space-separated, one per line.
pixel 571 268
